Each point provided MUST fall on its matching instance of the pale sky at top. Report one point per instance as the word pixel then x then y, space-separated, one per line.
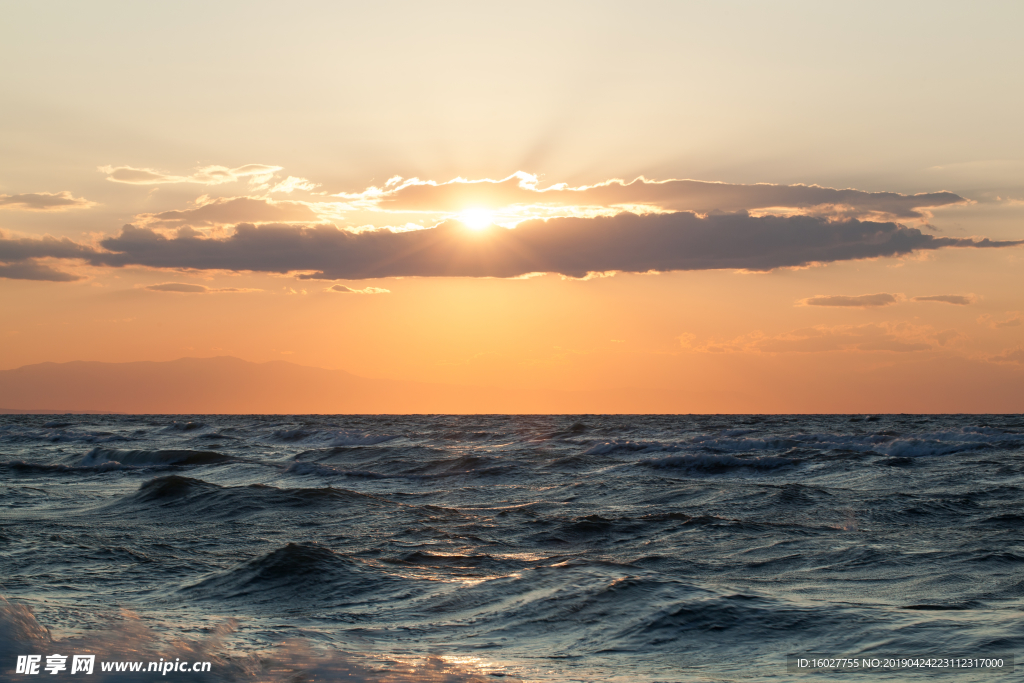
pixel 901 98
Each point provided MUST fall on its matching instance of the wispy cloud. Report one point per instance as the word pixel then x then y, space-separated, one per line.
pixel 44 201
pixel 291 184
pixel 860 301
pixel 187 288
pixel 1014 320
pixel 207 175
pixel 955 299
pixel 342 289
pixel 233 210
pixel 664 195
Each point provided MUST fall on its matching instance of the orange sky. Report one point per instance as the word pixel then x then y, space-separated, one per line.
pixel 467 197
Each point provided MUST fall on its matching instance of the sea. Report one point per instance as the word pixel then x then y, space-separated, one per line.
pixel 612 548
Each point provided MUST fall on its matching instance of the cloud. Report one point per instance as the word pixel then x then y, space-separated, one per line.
pixel 186 288
pixel 861 301
pixel 872 337
pixel 954 299
pixel 233 210
pixel 29 270
pixel 182 287
pixel 947 336
pixel 44 201
pixel 875 300
pixel 667 195
pixel 573 247
pixel 207 175
pixel 570 246
pixel 20 249
pixel 18 258
pixel 291 183
pixel 1015 320
pixel 365 290
pixel 1010 356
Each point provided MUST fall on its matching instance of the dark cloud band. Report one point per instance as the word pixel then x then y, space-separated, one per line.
pixel 570 246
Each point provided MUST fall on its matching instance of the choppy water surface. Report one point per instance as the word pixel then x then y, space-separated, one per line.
pixel 572 548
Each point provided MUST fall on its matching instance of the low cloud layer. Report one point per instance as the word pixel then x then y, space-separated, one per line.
pixel 882 299
pixel 570 246
pixel 669 195
pixel 187 288
pixel 1010 356
pixel 871 337
pixel 30 270
pixel 862 301
pixel 19 258
pixel 44 201
pixel 955 299
pixel 573 247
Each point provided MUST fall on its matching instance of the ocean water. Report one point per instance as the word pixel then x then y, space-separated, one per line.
pixel 486 548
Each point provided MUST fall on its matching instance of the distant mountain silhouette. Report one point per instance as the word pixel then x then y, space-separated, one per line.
pixel 230 385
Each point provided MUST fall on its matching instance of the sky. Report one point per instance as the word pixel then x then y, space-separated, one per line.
pixel 728 207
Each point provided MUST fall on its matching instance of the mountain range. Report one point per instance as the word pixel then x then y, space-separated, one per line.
pixel 227 385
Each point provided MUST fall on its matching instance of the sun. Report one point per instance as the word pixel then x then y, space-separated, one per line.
pixel 476 219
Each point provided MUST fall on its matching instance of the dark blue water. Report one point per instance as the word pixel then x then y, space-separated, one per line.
pixel 540 548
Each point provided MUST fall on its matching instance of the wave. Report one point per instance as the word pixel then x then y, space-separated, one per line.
pixel 57 434
pixel 328 471
pixel 129 638
pixel 575 608
pixel 187 426
pixel 46 468
pixel 420 558
pixel 300 571
pixel 408 469
pixel 466 464
pixel 144 458
pixel 889 443
pixel 718 463
pixel 330 437
pixel 204 500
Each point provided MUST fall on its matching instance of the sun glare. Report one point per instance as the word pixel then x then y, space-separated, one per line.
pixel 476 219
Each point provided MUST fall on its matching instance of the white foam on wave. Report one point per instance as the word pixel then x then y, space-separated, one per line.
pixel 129 639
